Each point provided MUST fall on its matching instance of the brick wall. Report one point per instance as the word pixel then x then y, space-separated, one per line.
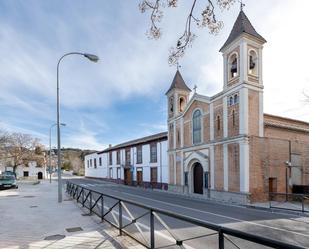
pixel 187 141
pixel 218 153
pixel 206 128
pixel 253 111
pixel 267 160
pixel 218 112
pixel 233 125
pixel 233 162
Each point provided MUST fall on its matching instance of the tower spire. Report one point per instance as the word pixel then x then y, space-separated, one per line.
pixel 242 5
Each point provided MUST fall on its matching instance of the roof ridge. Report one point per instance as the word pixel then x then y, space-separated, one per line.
pixel 178 83
pixel 242 25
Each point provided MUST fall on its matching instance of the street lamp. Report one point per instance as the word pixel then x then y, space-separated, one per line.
pixel 50 130
pixel 92 58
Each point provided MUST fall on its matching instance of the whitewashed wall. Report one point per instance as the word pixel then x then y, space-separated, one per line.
pixel 103 171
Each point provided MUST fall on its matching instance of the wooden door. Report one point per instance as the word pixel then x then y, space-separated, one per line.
pixel 139 177
pixel 153 176
pixel 127 177
pixel 272 185
pixel 198 178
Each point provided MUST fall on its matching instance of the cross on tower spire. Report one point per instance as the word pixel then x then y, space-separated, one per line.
pixel 242 5
pixel 178 65
pixel 194 88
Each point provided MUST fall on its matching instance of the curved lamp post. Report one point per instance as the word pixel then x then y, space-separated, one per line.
pixel 92 58
pixel 50 130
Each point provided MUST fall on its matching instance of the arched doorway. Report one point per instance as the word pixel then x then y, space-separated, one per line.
pixel 40 175
pixel 197 178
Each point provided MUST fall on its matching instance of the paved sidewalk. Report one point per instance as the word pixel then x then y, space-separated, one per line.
pixel 32 213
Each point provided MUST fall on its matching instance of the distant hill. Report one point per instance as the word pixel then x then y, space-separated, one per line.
pixel 73 159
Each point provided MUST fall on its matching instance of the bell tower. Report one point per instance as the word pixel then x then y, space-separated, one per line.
pixel 242 54
pixel 177 96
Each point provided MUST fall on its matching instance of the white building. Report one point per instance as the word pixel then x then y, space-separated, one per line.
pixel 141 162
pixel 32 170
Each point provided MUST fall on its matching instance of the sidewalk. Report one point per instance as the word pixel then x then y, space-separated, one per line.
pixel 31 217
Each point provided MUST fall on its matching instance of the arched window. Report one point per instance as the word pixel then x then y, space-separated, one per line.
pixel 233 66
pixel 235 99
pixel 231 100
pixel 197 127
pixel 218 123
pixel 233 117
pixel 181 104
pixel 171 104
pixel 253 62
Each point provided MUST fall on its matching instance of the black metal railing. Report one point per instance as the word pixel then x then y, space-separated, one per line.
pixel 289 201
pixel 149 225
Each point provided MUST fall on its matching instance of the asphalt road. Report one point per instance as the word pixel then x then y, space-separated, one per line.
pixel 288 228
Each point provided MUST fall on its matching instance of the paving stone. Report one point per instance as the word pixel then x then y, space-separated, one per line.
pixel 27 227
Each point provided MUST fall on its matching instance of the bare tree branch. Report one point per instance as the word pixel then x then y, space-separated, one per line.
pixel 208 19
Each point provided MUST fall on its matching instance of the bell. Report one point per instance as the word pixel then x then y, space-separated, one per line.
pixel 234 66
pixel 252 64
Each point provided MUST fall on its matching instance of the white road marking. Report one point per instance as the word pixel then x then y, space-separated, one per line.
pixel 207 212
pixel 219 215
pixel 169 238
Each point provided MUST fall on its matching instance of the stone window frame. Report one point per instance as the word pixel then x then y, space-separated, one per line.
pixel 218 122
pixel 139 154
pixel 128 156
pixel 118 157
pixel 153 153
pixel 201 126
pixel 229 63
pixel 110 158
pixel 182 103
pixel 118 173
pixel 233 99
pixel 256 62
pixel 233 118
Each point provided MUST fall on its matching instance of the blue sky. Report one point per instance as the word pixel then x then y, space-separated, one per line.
pixel 122 96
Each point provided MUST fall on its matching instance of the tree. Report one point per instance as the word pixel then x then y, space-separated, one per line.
pixel 207 19
pixel 20 149
pixel 3 139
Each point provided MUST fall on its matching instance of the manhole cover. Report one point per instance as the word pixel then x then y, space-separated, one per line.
pixel 33 206
pixel 55 237
pixel 74 229
pixel 28 196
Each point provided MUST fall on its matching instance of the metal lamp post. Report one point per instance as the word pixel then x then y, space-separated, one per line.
pixel 92 58
pixel 50 130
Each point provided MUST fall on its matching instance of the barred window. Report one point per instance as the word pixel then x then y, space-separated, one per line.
pixel 139 154
pixel 110 158
pixel 95 163
pixel 197 127
pixel 118 157
pixel 100 161
pixel 153 152
pixel 128 157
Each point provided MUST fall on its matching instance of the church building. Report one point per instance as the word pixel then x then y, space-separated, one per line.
pixel 221 147
pixel 224 146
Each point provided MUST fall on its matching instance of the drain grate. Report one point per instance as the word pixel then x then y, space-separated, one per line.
pixel 33 206
pixel 55 237
pixel 74 229
pixel 12 195
pixel 86 214
pixel 28 196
